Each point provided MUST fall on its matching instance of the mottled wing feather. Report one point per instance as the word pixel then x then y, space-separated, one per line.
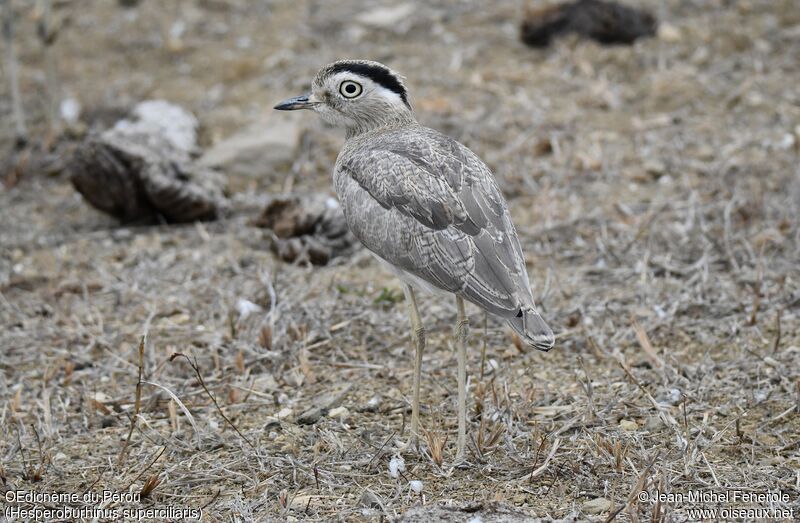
pixel 428 205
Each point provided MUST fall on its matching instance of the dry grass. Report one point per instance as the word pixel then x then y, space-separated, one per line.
pixel 655 190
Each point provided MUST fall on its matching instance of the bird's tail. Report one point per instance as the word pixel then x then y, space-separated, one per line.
pixel 532 329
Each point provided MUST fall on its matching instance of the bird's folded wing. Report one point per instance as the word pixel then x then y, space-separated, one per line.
pixel 428 205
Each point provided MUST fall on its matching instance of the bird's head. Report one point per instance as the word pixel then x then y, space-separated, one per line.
pixel 358 95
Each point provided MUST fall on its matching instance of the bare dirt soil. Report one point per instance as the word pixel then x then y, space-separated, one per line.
pixel 656 192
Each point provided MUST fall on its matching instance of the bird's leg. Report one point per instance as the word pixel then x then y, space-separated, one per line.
pixel 418 339
pixel 462 328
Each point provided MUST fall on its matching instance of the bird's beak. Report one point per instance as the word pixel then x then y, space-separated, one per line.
pixel 298 102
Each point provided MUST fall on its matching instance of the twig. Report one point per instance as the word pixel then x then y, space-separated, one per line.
pixel 665 416
pixel 27 471
pixel 40 471
pixel 549 457
pixel 380 449
pixel 713 475
pixel 756 302
pixel 727 234
pixel 538 450
pixel 94 483
pixel 777 343
pixel 638 487
pixel 483 346
pixel 212 500
pixel 138 402
pixel 643 228
pixel 196 369
pixel 644 342
pixel 180 404
pixel 152 462
pixel 797 401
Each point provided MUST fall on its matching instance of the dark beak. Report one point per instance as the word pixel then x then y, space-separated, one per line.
pixel 292 104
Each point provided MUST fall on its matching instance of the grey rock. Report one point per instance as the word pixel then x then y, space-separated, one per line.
pixel 370 500
pixel 597 506
pixel 257 150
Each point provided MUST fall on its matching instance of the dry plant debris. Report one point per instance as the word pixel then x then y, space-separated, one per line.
pixel 140 170
pixel 655 191
pixel 485 512
pixel 607 22
pixel 307 228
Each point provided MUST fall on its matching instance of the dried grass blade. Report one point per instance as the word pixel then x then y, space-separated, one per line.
pixel 181 405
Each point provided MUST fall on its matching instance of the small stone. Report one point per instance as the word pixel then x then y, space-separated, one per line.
pixel 180 318
pixel 370 500
pixel 653 424
pixel 670 397
pixel 396 466
pixel 597 506
pixel 669 33
pixel 284 413
pixel 265 383
pixel 246 308
pixel 754 99
pixel 385 17
pixel 655 167
pixel 311 416
pixel 372 405
pixel 324 404
pixel 700 56
pixel 101 397
pixel 70 110
pixel 628 425
pixel 416 485
pixel 300 502
pixel 706 153
pixel 339 412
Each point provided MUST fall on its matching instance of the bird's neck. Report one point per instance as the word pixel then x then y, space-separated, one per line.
pixel 391 120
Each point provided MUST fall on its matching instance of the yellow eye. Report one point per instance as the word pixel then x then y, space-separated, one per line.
pixel 350 89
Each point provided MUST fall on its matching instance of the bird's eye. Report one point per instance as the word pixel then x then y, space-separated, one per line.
pixel 350 89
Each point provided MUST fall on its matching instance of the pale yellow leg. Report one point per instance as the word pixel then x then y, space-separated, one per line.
pixel 418 340
pixel 461 332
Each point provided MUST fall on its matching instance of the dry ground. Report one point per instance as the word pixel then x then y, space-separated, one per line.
pixel 655 189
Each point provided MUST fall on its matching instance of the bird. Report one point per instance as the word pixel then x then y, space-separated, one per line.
pixel 427 208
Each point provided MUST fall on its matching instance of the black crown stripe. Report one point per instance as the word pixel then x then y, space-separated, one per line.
pixel 378 74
